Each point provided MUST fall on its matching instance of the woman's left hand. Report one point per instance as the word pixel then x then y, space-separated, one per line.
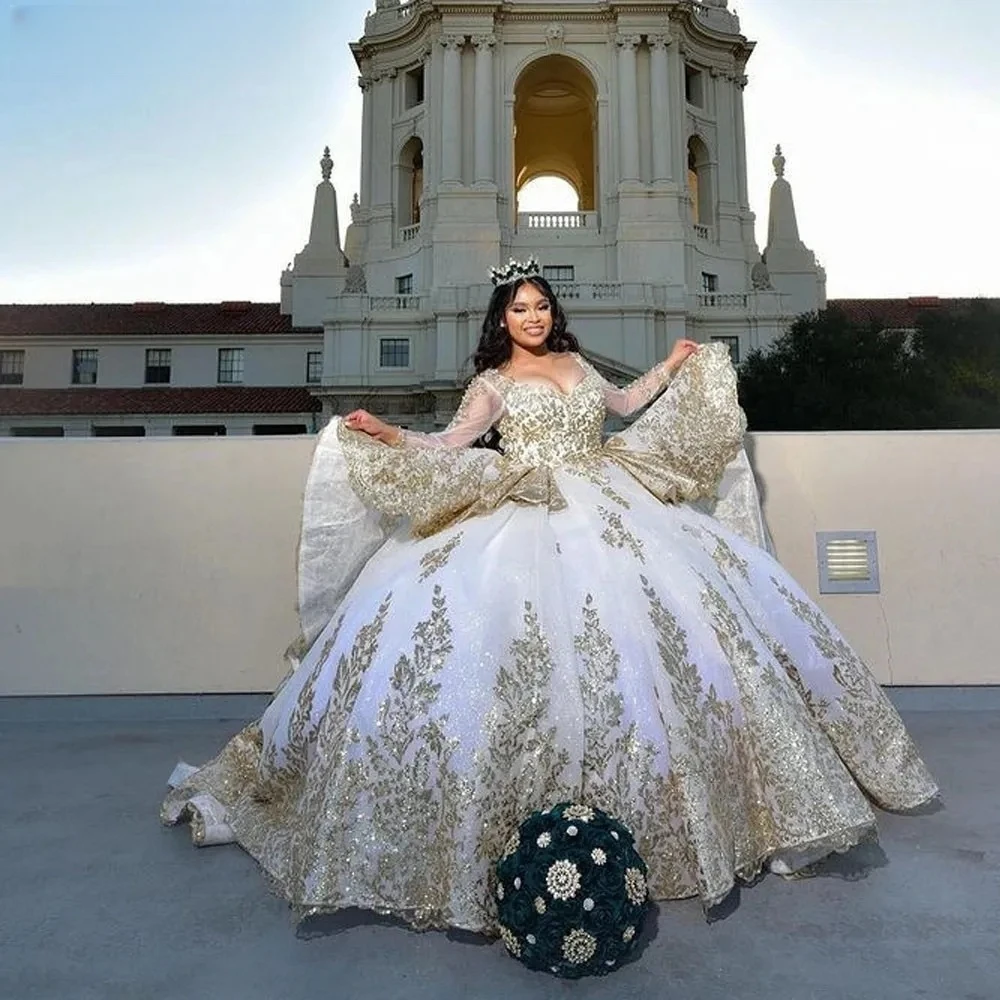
pixel 683 349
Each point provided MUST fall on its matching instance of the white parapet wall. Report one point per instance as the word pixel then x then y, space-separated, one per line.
pixel 168 566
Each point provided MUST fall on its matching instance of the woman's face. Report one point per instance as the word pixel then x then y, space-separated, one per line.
pixel 528 318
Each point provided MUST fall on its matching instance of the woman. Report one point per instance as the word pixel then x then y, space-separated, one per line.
pixel 556 622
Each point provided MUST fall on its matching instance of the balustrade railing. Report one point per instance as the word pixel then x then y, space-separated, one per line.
pixel 382 302
pixel 720 300
pixel 408 233
pixel 556 220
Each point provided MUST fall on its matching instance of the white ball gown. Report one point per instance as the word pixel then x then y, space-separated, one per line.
pixel 485 635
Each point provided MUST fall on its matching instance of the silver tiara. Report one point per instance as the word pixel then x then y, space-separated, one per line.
pixel 514 270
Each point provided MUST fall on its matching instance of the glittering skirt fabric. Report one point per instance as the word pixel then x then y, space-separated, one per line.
pixel 621 652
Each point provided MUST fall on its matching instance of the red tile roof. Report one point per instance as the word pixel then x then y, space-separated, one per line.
pixel 898 313
pixel 147 319
pixel 85 401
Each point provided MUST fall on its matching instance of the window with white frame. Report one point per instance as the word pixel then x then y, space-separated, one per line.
pixel 157 366
pixel 413 87
pixel 112 430
pixel 694 85
pixel 314 367
pixel 85 367
pixel 733 343
pixel 37 432
pixel 11 367
pixel 559 272
pixel 199 430
pixel 394 352
pixel 709 283
pixel 230 364
pixel 276 429
pixel 404 284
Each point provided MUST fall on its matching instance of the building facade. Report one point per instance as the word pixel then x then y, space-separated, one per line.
pixel 639 106
pixel 150 368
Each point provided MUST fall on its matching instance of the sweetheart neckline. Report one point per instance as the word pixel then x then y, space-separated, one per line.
pixel 547 385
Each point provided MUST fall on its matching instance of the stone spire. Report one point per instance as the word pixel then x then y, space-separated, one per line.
pixel 320 269
pixel 791 264
pixel 324 235
pixel 782 226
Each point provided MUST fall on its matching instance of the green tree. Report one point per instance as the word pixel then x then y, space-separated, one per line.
pixel 827 373
pixel 959 349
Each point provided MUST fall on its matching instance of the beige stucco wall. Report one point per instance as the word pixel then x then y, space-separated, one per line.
pixel 169 565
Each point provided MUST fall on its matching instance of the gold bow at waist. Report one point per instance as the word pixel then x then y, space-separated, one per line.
pixel 438 488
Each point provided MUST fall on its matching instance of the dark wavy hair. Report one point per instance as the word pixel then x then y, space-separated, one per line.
pixel 494 347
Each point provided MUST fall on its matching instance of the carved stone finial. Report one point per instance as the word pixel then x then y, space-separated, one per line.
pixel 326 164
pixel 779 161
pixel 355 208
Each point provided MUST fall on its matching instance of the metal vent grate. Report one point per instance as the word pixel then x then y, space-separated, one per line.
pixel 848 562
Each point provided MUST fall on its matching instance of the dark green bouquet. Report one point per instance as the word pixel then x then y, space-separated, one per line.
pixel 571 891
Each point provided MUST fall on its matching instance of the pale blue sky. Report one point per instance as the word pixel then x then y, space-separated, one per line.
pixel 155 150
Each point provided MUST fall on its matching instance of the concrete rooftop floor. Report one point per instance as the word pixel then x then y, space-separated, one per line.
pixel 99 902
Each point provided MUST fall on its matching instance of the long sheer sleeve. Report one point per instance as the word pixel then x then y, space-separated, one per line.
pixel 625 400
pixel 481 407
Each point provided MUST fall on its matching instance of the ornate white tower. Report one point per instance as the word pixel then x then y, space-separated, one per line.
pixel 638 105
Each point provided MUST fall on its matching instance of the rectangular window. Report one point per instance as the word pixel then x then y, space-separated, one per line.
pixel 314 367
pixel 230 364
pixel 157 365
pixel 199 430
pixel 404 284
pixel 733 343
pixel 413 88
pixel 394 352
pixel 694 86
pixel 37 432
pixel 11 367
pixel 709 283
pixel 559 272
pixel 109 431
pixel 85 367
pixel 280 429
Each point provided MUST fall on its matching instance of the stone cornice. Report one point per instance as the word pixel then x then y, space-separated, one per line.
pixel 678 18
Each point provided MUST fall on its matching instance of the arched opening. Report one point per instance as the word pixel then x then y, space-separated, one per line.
pixel 411 183
pixel 699 179
pixel 555 129
pixel 548 193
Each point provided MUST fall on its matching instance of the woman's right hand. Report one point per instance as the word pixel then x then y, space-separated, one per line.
pixel 362 420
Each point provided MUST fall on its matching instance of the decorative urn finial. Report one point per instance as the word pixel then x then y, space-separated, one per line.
pixel 326 164
pixel 779 161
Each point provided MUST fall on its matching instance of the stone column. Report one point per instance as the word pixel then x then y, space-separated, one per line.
pixel 484 108
pixel 739 82
pixel 628 110
pixel 451 110
pixel 382 156
pixel 659 93
pixel 725 112
pixel 367 122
